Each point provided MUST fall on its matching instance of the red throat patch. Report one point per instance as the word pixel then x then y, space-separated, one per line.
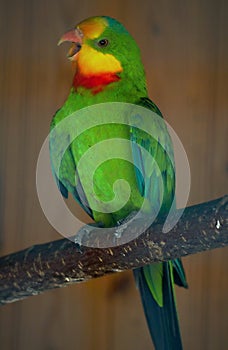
pixel 95 83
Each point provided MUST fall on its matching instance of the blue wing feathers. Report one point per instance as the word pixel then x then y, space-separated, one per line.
pixel 162 321
pixel 179 274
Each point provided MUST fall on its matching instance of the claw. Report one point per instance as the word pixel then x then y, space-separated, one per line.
pixel 132 220
pixel 78 247
pixel 85 235
pixel 122 224
pixel 119 230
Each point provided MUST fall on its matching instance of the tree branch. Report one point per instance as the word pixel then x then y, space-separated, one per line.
pixel 60 263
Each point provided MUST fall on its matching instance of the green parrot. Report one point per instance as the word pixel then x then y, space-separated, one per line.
pixel 108 68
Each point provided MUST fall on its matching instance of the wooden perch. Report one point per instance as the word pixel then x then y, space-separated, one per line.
pixel 60 263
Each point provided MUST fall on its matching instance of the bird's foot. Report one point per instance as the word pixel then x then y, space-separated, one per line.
pixel 131 227
pixel 123 224
pixel 85 235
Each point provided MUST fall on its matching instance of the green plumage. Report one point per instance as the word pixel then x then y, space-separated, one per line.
pixel 131 88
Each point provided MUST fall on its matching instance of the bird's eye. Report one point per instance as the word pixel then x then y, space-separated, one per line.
pixel 103 42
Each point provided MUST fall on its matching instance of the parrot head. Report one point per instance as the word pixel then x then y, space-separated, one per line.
pixel 103 52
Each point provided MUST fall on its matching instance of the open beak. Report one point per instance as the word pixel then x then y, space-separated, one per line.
pixel 75 37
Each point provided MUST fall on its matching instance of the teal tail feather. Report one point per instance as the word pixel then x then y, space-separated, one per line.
pixel 160 305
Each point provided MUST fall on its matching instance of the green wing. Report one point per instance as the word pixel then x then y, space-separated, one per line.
pixel 65 173
pixel 157 183
pixel 156 282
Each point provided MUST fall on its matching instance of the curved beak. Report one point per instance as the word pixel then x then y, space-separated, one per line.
pixel 74 36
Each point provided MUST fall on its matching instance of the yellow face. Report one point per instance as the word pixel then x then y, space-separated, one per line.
pixel 90 61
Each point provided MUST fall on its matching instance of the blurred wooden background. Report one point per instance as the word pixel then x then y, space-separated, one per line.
pixel 185 51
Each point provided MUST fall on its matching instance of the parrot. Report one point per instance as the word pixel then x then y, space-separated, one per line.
pixel 108 68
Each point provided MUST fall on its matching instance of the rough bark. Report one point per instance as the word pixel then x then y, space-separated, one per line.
pixel 60 263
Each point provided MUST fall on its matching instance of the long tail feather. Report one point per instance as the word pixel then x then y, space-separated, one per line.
pixel 162 320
